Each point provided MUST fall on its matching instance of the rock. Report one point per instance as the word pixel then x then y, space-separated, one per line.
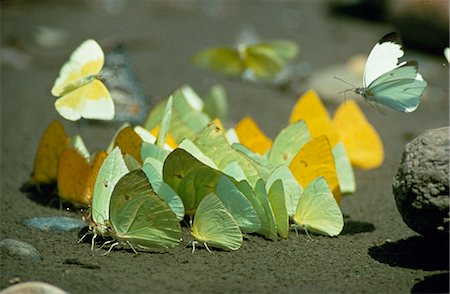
pixel 421 185
pixel 59 224
pixel 33 288
pixel 20 249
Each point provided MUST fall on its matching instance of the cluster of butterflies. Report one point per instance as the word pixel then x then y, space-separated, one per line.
pixel 182 164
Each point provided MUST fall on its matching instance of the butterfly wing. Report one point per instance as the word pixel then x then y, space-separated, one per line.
pixel 85 61
pixel 263 62
pixel 139 216
pixel 112 169
pixel 313 160
pixel 362 142
pixel 52 143
pixel 251 136
pixel 223 60
pixel 383 58
pixel 73 173
pixel 277 202
pixel 400 88
pixel 214 225
pixel 237 205
pixel 286 50
pixel 317 210
pixel 91 101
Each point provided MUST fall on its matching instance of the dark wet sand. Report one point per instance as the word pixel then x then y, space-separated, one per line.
pixel 376 253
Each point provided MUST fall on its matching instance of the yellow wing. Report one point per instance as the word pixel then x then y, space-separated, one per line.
pixel 362 142
pixel 52 144
pixel 310 109
pixel 87 60
pixel 223 60
pixel 129 142
pixel 91 101
pixel 251 136
pixel 313 160
pixel 73 172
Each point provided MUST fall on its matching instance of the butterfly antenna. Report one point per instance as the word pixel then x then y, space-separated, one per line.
pixel 345 82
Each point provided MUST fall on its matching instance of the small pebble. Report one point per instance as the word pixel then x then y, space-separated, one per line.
pixel 33 288
pixel 59 224
pixel 20 249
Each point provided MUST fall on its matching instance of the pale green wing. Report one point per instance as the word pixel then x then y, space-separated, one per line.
pixel 78 143
pixel 112 169
pixel 216 103
pixel 237 205
pixel 400 88
pixel 284 49
pixel 213 143
pixel 131 162
pixel 215 226
pixel 187 119
pixel 190 147
pixel 149 150
pixel 292 189
pixel 268 225
pixel 288 142
pixel 165 124
pixel 164 191
pixel 263 62
pixel 344 169
pixel 139 216
pixel 261 164
pixel 189 178
pixel 234 170
pixel 278 204
pixel 246 190
pixel 318 211
pixel 223 60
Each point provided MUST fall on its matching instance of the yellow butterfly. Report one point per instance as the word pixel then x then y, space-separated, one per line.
pixel 80 92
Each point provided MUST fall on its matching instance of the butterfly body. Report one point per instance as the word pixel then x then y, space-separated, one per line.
pixel 398 86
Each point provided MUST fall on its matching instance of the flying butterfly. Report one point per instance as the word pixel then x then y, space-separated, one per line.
pixel 80 92
pixel 261 60
pixel 398 86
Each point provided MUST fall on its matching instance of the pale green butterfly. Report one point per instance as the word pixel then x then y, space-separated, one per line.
pixel 291 187
pixel 189 178
pixel 163 190
pixel 268 222
pixel 344 169
pixel 318 211
pixel 187 118
pixel 112 169
pixel 398 86
pixel 214 226
pixel 139 217
pixel 277 203
pixel 261 60
pixel 165 123
pixel 237 204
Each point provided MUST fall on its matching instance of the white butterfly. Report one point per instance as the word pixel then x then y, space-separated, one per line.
pixel 81 93
pixel 398 86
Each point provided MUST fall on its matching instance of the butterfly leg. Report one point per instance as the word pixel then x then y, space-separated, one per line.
pixel 93 241
pixel 110 248
pixel 207 248
pixel 106 243
pixel 82 238
pixel 193 246
pixel 131 246
pixel 306 231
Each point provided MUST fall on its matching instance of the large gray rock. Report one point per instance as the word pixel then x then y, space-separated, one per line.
pixel 421 186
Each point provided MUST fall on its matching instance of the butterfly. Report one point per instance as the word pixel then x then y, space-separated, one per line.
pixel 137 216
pixel 80 92
pixel 398 86
pixel 260 60
pixel 251 136
pixel 317 211
pixel 53 142
pixel 213 225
